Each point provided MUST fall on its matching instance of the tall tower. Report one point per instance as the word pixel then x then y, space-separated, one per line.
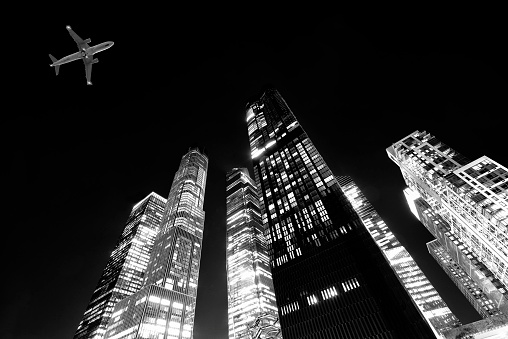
pixel 164 307
pixel 331 279
pixel 250 287
pixel 464 204
pixel 423 293
pixel 126 267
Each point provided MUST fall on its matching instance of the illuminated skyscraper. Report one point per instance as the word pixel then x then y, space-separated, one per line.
pixel 464 204
pixel 423 293
pixel 126 267
pixel 164 307
pixel 330 277
pixel 250 287
pixel 473 291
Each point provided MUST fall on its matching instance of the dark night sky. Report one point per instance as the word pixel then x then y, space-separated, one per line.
pixel 358 80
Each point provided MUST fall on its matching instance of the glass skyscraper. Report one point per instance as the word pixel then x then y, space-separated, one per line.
pixel 423 293
pixel 464 204
pixel 250 287
pixel 165 305
pixel 330 277
pixel 126 267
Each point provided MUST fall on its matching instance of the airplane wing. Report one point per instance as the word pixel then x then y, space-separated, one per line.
pixel 80 42
pixel 88 69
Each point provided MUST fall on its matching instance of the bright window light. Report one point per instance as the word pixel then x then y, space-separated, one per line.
pixel 250 114
pixel 154 299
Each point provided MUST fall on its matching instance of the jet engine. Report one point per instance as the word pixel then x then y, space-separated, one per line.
pixel 94 61
pixel 87 41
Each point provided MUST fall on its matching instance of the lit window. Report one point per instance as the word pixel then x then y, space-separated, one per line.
pixel 350 284
pixel 154 299
pixel 329 293
pixel 311 299
pixel 173 331
pixel 174 324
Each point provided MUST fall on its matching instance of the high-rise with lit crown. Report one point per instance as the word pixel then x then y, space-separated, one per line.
pixel 250 287
pixel 330 277
pixel 423 293
pixel 126 267
pixel 464 204
pixel 165 305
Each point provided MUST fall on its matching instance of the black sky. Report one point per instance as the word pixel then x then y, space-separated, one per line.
pixel 357 80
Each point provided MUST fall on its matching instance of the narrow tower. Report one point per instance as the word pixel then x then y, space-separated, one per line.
pixel 250 287
pixel 126 267
pixel 331 279
pixel 164 307
pixel 432 307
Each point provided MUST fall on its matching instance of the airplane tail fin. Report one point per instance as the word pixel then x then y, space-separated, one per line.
pixel 53 59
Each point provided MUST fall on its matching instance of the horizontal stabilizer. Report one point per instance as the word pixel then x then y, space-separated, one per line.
pixel 53 59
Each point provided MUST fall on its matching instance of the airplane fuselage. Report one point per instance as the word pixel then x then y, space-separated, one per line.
pixel 85 53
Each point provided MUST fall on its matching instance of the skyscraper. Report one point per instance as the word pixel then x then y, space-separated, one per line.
pixel 164 307
pixel 471 290
pixel 423 293
pixel 331 279
pixel 126 267
pixel 250 287
pixel 464 204
pixel 459 259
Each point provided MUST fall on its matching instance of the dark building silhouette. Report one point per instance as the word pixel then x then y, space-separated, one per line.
pixel 331 279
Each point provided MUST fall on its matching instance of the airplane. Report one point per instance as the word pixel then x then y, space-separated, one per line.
pixel 85 53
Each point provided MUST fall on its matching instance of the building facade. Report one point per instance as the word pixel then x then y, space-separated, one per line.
pixel 495 327
pixel 464 204
pixel 331 279
pixel 429 302
pixel 458 254
pixel 250 287
pixel 125 270
pixel 164 307
pixel 471 290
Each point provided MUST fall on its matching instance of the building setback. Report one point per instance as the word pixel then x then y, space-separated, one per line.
pixel 471 290
pixel 429 302
pixel 165 305
pixel 330 277
pixel 495 327
pixel 464 204
pixel 250 287
pixel 126 267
